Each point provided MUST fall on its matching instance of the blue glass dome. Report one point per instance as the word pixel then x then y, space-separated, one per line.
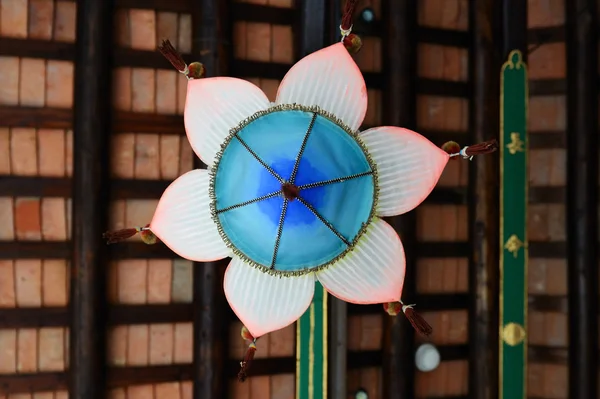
pixel 292 190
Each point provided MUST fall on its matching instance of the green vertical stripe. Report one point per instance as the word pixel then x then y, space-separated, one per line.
pixel 513 226
pixel 311 348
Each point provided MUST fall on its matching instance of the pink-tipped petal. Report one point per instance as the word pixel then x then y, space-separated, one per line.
pixel 265 302
pixel 330 79
pixel 408 167
pixel 182 219
pixel 213 106
pixel 373 272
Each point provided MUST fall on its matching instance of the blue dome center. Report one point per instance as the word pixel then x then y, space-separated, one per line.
pixel 293 190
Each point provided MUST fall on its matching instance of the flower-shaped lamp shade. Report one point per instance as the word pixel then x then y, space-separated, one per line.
pixel 294 193
pixel 293 190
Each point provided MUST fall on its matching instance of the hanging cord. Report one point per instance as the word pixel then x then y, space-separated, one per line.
pixel 415 319
pixel 351 41
pixel 193 71
pixel 147 236
pixel 454 150
pixel 249 356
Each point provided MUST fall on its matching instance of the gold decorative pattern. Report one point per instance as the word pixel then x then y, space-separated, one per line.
pixel 513 334
pixel 513 245
pixel 516 144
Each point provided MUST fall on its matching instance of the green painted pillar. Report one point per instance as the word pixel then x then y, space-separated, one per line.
pixel 311 349
pixel 513 228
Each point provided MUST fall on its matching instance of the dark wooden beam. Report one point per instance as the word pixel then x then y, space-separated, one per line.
pixel 122 377
pixel 484 111
pixel 210 32
pixel 547 87
pixel 337 336
pixel 91 122
pixel 115 315
pixel 399 109
pixel 582 195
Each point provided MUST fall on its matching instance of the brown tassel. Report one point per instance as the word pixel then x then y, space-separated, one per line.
pixel 113 237
pixel 169 52
pixel 487 147
pixel 417 321
pixel 245 364
pixel 348 14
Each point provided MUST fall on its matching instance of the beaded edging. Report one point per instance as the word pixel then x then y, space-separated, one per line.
pixel 213 199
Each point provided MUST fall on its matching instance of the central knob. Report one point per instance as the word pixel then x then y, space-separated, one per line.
pixel 290 191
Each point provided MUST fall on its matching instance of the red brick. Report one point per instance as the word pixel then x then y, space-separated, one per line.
pixel 160 276
pixel 27 219
pixel 169 156
pixel 186 159
pixel 122 88
pixel 184 41
pixel 170 390
pixel 283 342
pixel 449 14
pixel 40 19
pixel 27 350
pixel 184 343
pixel 54 282
pixel 13 18
pixel 140 392
pixel 239 40
pixel 23 150
pixel 8 351
pixel 143 83
pixel 186 390
pixel 117 345
pixel 260 387
pixel 64 21
pixel 147 156
pixel 181 290
pixel 133 281
pixel 32 82
pixel 59 84
pixel 166 27
pixel 9 80
pixel 119 393
pixel 258 41
pixel 28 277
pixel 137 346
pixel 544 13
pixel 442 113
pixel 281 3
pixel 7 225
pixel 123 155
pixel 122 27
pixel 139 212
pixel 51 152
pixel 283 386
pixel 143 29
pixel 161 343
pixel 69 152
pixel 51 351
pixel 7 284
pixel 54 219
pixel 181 93
pixel 5 149
pixel 166 92
pixel 282 44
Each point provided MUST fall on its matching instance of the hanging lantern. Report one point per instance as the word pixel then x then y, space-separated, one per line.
pixel 294 193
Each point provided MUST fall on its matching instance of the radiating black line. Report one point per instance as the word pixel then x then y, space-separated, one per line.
pixel 333 181
pixel 302 148
pixel 324 221
pixel 279 232
pixel 241 204
pixel 263 163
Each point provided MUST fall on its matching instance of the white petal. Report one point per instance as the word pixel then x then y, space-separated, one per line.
pixel 215 105
pixel 373 272
pixel 408 167
pixel 183 222
pixel 263 302
pixel 330 79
